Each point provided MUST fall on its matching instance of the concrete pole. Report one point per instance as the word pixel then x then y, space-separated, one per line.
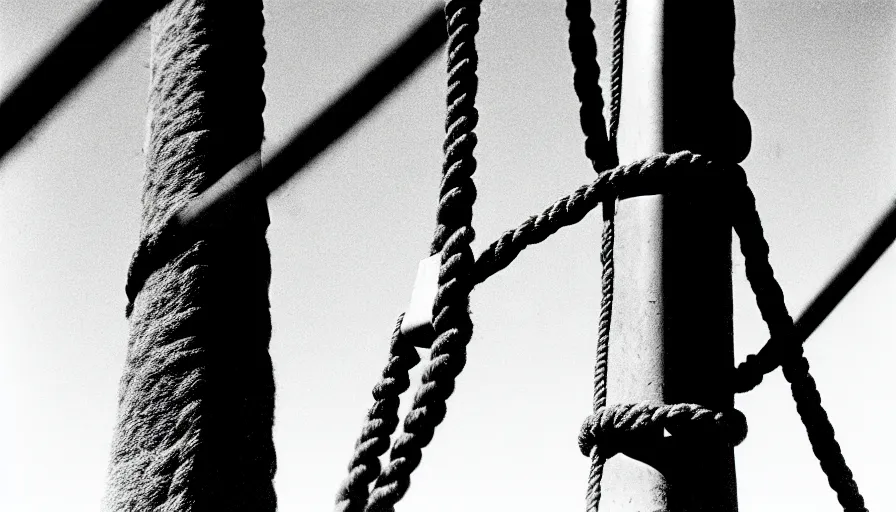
pixel 671 338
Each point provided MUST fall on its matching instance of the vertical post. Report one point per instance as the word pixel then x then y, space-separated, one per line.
pixel 671 339
pixel 197 396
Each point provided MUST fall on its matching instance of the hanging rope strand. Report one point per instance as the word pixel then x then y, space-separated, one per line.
pixel 379 425
pixel 610 429
pixel 770 300
pixel 596 471
pixel 453 235
pixel 616 73
pixel 684 169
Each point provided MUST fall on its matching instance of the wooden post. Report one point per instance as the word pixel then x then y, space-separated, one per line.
pixel 671 338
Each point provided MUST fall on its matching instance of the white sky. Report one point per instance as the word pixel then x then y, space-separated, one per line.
pixel 816 79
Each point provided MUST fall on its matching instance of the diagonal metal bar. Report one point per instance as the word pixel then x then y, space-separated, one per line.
pixel 90 40
pixel 336 120
pixel 841 283
pixel 251 179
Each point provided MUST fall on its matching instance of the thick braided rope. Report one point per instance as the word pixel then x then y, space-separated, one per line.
pixel 652 175
pixel 586 77
pixel 379 425
pixel 195 417
pixel 770 299
pixel 451 317
pixel 612 429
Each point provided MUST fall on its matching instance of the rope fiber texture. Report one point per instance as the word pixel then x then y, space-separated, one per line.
pixel 379 425
pixel 601 151
pixel 586 76
pixel 667 173
pixel 196 400
pixel 451 317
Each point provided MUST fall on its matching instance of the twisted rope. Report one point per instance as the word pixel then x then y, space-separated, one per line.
pixel 196 402
pixel 379 425
pixel 609 430
pixel 453 235
pixel 770 297
pixel 612 429
pixel 602 152
pixel 616 73
pixel 599 400
pixel 664 173
pixel 652 175
pixel 795 367
pixel 586 82
pixel 821 433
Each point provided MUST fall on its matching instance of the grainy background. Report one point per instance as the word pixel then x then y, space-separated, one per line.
pixel 815 77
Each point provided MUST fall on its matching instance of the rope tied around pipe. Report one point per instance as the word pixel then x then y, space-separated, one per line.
pixel 613 429
pixel 196 399
pixel 461 272
pixel 782 349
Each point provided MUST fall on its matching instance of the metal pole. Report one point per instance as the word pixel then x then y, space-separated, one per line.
pixel 671 339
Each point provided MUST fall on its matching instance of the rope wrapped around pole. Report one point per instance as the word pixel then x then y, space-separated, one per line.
pixel 600 148
pixel 197 395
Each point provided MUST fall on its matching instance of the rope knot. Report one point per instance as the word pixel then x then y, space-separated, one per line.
pixel 612 429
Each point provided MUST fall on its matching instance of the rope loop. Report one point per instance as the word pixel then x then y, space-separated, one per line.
pixel 613 429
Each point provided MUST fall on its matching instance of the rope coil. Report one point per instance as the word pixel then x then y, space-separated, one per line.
pixel 611 429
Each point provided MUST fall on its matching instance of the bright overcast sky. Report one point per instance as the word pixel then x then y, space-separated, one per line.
pixel 815 77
